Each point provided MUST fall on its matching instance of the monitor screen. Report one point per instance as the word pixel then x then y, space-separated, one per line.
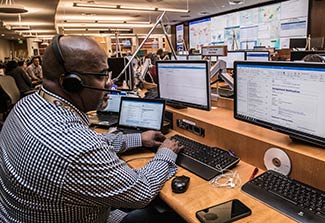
pixel 297 43
pixel 141 113
pixel 285 97
pixel 233 56
pixel 257 55
pixel 299 55
pixel 116 65
pixel 185 83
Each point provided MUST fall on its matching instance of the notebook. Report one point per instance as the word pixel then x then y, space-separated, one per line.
pixel 139 114
pixel 108 116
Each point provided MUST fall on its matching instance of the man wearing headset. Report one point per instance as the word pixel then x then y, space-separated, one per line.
pixel 53 168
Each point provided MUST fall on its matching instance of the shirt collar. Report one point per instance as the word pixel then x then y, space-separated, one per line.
pixel 61 102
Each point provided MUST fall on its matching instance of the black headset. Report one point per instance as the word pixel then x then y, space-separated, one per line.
pixel 71 81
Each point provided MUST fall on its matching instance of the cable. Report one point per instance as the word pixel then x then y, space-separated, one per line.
pixel 231 180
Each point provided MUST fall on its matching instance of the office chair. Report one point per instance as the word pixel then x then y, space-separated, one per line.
pixel 9 94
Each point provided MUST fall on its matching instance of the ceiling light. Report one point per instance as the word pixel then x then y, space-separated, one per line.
pixel 20 28
pixel 9 6
pixel 103 25
pixel 236 2
pixel 137 8
pixel 104 21
pixel 86 5
pixel 123 7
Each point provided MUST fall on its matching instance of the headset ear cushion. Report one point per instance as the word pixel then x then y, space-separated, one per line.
pixel 72 82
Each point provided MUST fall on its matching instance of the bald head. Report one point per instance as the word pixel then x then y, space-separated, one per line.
pixel 80 54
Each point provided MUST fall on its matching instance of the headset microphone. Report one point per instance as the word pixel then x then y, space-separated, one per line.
pixel 104 89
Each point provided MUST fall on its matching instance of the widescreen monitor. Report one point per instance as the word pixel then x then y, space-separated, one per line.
pixel 282 96
pixel 257 55
pixel 184 83
pixel 233 56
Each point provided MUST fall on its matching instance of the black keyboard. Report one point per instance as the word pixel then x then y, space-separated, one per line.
pixel 297 200
pixel 204 161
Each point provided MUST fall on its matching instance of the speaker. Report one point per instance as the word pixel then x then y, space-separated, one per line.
pixel 70 81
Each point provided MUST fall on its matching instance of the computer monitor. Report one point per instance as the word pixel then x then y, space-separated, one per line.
pixel 258 55
pixel 299 55
pixel 282 96
pixel 116 65
pixel 194 57
pixel 184 83
pixel 317 43
pixel 297 43
pixel 233 56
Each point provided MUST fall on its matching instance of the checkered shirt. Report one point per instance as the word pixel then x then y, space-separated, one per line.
pixel 53 168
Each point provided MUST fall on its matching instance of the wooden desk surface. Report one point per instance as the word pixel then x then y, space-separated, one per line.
pixel 201 194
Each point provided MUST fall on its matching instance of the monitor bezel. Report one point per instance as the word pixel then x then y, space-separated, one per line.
pixel 294 134
pixel 206 107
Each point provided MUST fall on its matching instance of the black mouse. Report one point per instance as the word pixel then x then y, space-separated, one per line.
pixel 180 184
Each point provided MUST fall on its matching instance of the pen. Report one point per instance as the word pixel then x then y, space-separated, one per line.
pixel 255 171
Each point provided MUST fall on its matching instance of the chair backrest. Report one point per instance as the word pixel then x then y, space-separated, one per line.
pixel 9 86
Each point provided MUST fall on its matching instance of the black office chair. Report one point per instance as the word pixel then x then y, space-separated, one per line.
pixel 9 95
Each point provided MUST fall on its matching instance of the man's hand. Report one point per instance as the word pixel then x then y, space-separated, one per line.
pixel 172 145
pixel 152 138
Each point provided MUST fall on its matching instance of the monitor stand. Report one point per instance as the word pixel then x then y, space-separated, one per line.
pixel 175 105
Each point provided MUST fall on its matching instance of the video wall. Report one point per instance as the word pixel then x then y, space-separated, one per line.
pixel 271 26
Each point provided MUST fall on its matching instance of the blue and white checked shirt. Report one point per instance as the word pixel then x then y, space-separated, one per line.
pixel 53 168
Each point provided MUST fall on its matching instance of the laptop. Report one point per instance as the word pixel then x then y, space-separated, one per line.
pixel 139 114
pixel 108 115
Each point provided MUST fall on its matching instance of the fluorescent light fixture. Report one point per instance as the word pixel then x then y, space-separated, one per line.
pixel 136 8
pixel 103 22
pixel 173 10
pixel 124 7
pixel 103 25
pixel 100 6
pixel 20 28
pixel 74 29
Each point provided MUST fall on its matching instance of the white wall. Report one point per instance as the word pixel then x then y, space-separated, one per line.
pixel 31 46
pixel 4 49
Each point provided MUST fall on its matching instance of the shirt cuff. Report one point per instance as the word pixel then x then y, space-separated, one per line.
pixel 133 140
pixel 166 154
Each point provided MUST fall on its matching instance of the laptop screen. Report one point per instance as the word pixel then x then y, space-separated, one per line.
pixel 141 113
pixel 113 103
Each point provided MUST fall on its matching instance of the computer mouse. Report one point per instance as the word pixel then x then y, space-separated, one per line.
pixel 180 184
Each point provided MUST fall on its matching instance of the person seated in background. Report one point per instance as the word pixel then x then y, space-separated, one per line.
pixel 313 58
pixel 34 70
pixel 54 168
pixel 22 80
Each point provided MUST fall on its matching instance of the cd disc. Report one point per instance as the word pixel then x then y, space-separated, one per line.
pixel 277 160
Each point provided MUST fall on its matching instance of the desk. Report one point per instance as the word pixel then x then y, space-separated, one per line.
pixel 201 194
pixel 250 143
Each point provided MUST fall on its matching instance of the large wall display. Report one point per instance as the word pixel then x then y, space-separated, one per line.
pixel 271 26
